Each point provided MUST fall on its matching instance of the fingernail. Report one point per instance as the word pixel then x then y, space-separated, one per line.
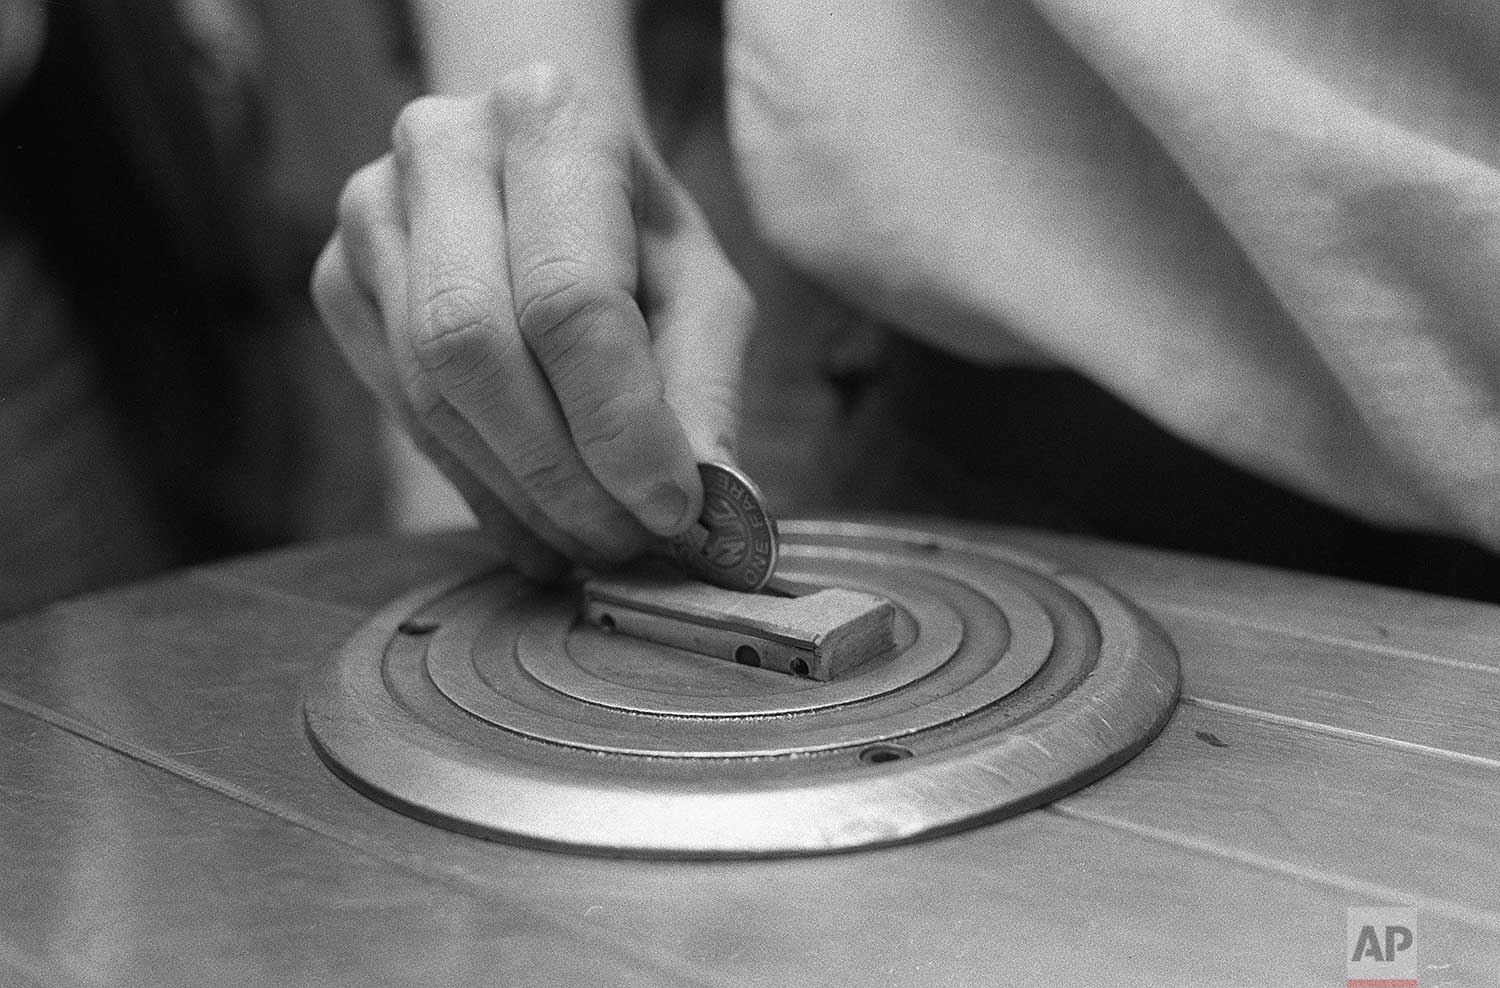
pixel 666 509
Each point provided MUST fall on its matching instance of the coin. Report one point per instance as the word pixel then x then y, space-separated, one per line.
pixel 734 542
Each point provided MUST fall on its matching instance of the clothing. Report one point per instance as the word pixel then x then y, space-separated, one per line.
pixel 932 434
pixel 1272 228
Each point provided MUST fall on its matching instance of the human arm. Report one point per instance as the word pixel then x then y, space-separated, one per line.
pixel 469 45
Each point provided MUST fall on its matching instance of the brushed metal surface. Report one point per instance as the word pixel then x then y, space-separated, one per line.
pixel 430 707
pixel 165 821
pixel 115 872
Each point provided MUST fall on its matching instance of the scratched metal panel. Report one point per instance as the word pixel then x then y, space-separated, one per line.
pixel 165 821
pixel 117 873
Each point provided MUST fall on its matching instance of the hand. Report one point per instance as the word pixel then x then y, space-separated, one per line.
pixel 524 284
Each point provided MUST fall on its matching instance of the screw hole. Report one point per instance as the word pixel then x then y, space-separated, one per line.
pixel 746 655
pixel 415 628
pixel 879 754
pixel 799 666
pixel 607 622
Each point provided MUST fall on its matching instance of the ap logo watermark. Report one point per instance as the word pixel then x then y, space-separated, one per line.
pixel 1381 948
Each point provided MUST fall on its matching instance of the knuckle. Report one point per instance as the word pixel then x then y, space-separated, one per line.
pixel 557 310
pixel 608 421
pixel 422 120
pixel 452 329
pixel 539 90
pixel 547 477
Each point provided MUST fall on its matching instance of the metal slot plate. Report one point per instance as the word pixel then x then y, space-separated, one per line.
pixel 488 706
pixel 820 634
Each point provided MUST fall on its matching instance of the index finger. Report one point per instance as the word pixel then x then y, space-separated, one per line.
pixel 464 342
pixel 568 201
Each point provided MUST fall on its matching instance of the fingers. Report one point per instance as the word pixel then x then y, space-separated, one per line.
pixel 366 258
pixel 353 322
pixel 379 255
pixel 464 340
pixel 571 238
pixel 361 277
pixel 355 325
pixel 541 303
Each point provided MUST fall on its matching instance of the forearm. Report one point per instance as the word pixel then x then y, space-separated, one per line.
pixel 470 44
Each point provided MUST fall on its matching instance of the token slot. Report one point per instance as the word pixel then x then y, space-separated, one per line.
pixel 817 635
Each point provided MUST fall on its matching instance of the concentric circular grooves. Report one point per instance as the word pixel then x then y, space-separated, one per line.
pixel 940 628
pixel 450 767
pixel 838 715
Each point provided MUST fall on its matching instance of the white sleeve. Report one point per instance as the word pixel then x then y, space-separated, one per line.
pixel 1272 227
